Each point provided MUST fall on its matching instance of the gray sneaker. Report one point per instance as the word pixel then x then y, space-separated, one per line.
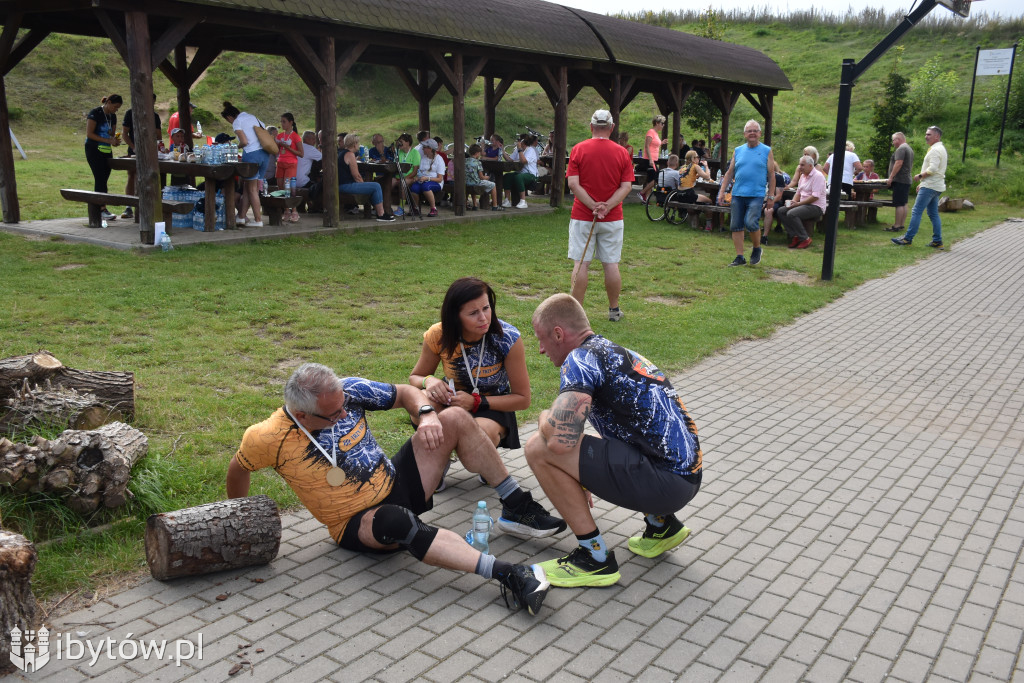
pixel 615 315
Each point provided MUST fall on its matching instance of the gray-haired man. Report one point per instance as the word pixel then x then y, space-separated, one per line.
pixel 321 444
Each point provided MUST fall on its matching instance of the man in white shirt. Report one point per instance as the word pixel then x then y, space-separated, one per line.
pixel 306 160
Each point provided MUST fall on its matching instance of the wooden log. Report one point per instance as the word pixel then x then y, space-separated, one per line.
pixel 228 534
pixel 113 389
pixel 88 468
pixel 17 604
pixel 64 408
pixel 33 368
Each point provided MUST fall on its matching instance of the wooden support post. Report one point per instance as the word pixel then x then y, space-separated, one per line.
pixel 423 101
pixel 561 133
pixel 489 107
pixel 184 98
pixel 616 104
pixel 8 183
pixel 459 132
pixel 147 180
pixel 328 110
pixel 768 118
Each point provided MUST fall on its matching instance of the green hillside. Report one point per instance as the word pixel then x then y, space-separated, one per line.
pixel 65 76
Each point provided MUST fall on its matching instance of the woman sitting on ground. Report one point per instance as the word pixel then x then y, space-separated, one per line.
pixel 350 182
pixel 516 182
pixel 483 358
pixel 429 178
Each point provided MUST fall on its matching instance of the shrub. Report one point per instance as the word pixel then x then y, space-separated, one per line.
pixel 890 113
pixel 932 90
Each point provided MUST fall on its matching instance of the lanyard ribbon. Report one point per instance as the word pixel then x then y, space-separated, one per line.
pixel 479 361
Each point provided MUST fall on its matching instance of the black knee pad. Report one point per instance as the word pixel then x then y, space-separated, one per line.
pixel 394 524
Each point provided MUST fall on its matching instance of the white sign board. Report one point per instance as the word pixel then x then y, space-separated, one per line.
pixel 994 62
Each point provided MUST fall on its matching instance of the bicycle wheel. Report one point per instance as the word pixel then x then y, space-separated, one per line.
pixel 655 212
pixel 674 214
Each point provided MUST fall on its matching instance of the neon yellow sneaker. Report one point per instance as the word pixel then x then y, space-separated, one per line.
pixel 655 541
pixel 579 568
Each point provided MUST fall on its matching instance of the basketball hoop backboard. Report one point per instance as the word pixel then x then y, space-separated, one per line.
pixel 961 7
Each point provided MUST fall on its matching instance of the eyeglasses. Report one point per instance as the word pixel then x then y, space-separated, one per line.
pixel 333 417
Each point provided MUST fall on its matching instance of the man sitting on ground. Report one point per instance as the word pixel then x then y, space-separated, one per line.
pixel 647 457
pixel 320 443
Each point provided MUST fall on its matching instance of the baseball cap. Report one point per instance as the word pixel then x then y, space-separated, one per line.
pixel 432 144
pixel 177 130
pixel 602 117
pixel 222 138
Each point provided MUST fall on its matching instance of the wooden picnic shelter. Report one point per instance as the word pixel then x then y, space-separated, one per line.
pixel 431 43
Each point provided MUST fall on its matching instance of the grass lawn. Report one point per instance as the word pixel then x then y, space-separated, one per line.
pixel 212 332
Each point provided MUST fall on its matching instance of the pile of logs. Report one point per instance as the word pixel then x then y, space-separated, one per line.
pixel 37 390
pixel 87 468
pixel 89 464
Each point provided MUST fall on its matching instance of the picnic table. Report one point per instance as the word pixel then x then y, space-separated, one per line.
pixel 496 168
pixel 867 207
pixel 209 172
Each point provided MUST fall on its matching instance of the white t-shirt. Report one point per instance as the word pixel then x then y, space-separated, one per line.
pixel 305 163
pixel 531 156
pixel 432 167
pixel 848 161
pixel 246 123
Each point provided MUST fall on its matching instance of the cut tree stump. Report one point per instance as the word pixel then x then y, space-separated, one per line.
pixel 88 468
pixel 228 534
pixel 17 604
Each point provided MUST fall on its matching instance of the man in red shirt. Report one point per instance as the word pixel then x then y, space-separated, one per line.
pixel 600 175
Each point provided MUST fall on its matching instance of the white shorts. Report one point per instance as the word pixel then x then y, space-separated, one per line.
pixel 605 244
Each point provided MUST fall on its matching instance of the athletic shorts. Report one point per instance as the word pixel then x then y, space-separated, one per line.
pixel 407 492
pixel 900 194
pixel 506 420
pixel 487 185
pixel 621 474
pixel 285 170
pixel 605 244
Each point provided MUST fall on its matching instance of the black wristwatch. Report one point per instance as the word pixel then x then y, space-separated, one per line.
pixel 426 409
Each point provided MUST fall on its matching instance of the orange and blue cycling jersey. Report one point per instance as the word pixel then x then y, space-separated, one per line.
pixel 634 402
pixel 369 475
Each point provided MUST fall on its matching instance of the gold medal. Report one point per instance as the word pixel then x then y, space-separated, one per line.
pixel 335 476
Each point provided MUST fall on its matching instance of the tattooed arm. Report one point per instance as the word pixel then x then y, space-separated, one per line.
pixel 562 426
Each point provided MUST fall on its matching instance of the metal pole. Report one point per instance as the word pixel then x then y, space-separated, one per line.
pixel 838 162
pixel 1006 104
pixel 970 103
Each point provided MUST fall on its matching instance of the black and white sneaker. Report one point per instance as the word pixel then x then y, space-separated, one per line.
pixel 386 218
pixel 529 519
pixel 527 586
pixel 755 256
pixel 739 261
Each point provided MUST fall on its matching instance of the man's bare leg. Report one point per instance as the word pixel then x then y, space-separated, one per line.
pixel 580 272
pixel 559 476
pixel 612 283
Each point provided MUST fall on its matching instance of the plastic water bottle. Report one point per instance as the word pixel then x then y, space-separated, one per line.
pixel 199 127
pixel 165 242
pixel 479 536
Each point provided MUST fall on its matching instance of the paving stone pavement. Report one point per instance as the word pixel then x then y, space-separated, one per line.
pixel 860 520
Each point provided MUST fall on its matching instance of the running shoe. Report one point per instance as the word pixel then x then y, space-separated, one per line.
pixel 902 241
pixel 936 244
pixel 527 585
pixel 506 204
pixel 522 204
pixel 128 213
pixel 615 314
pixel 385 219
pixel 107 216
pixel 529 520
pixel 739 261
pixel 641 197
pixel 755 256
pixel 654 541
pixel 579 568
pixel 433 212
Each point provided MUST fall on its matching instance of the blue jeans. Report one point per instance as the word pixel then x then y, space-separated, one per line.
pixel 927 200
pixel 372 189
pixel 745 213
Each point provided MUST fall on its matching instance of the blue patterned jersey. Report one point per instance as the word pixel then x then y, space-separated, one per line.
pixel 633 402
pixel 360 453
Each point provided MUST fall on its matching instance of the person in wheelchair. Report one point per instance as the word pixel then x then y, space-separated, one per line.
pixel 668 180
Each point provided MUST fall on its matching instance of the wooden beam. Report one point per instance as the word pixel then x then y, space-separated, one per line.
pixel 8 36
pixel 489 107
pixel 548 84
pixel 631 92
pixel 502 88
pixel 201 61
pixel 327 106
pixel 8 183
pixel 408 79
pixel 347 59
pixel 305 55
pixel 458 77
pixel 574 90
pixel 300 70
pixel 182 90
pixel 445 74
pixel 171 37
pixel 472 72
pixel 561 133
pixel 25 46
pixel 170 72
pixel 115 35
pixel 140 63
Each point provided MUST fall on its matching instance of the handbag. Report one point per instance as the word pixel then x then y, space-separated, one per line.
pixel 267 141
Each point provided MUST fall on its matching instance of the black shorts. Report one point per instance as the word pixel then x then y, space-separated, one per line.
pixel 407 492
pixel 621 474
pixel 900 194
pixel 506 420
pixel 687 196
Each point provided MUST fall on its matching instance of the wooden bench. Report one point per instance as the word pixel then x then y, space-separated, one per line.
pixel 714 211
pixel 95 200
pixel 867 210
pixel 346 198
pixel 274 207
